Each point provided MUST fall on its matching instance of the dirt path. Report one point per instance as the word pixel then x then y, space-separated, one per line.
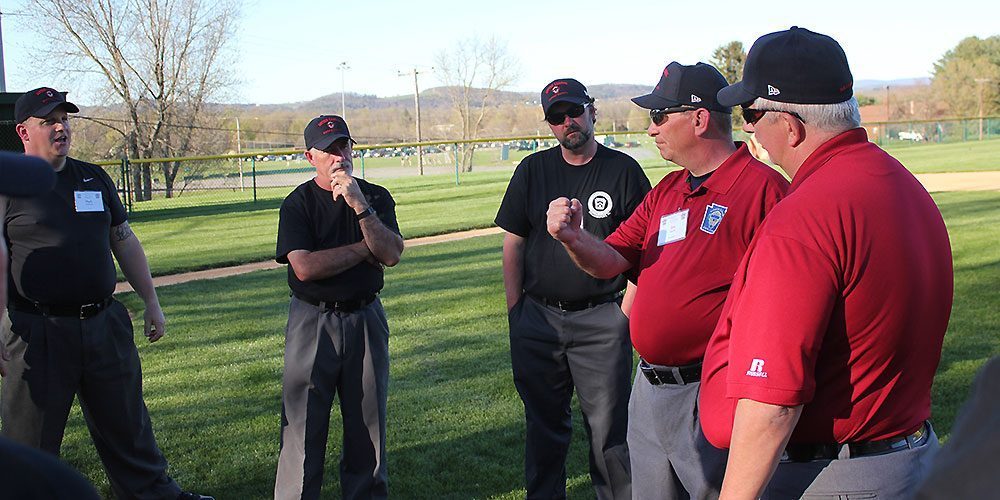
pixel 957 181
pixel 221 272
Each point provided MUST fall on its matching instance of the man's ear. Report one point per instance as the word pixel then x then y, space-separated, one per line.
pixel 794 128
pixel 22 131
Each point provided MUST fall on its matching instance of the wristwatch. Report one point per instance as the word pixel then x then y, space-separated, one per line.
pixel 368 211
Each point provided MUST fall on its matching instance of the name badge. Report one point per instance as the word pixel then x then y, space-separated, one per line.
pixel 673 228
pixel 88 201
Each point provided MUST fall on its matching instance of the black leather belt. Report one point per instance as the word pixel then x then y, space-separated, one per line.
pixel 671 375
pixel 68 311
pixel 577 305
pixel 338 305
pixel 810 452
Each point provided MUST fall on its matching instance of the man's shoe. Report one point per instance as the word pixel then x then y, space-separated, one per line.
pixel 187 495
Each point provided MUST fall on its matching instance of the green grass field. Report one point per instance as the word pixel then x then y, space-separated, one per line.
pixel 455 421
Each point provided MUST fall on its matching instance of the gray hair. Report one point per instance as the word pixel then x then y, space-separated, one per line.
pixel 830 117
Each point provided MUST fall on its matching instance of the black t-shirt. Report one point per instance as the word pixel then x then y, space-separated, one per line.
pixel 311 220
pixel 610 186
pixel 60 242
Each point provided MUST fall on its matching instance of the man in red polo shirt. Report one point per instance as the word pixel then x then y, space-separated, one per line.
pixel 683 244
pixel 833 327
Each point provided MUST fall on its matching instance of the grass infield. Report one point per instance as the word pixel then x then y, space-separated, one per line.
pixel 455 423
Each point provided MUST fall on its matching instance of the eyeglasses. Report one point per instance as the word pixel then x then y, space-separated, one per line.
pixel 658 116
pixel 752 116
pixel 573 112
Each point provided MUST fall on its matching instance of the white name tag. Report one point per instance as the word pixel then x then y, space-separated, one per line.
pixel 673 228
pixel 89 201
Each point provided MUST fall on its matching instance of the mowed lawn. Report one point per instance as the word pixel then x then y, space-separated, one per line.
pixel 455 420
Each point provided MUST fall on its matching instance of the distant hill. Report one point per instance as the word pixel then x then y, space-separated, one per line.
pixel 871 85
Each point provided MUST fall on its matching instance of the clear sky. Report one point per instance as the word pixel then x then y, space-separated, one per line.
pixel 288 50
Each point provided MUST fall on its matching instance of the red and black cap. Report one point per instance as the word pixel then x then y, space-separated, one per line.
pixel 564 90
pixel 795 66
pixel 682 85
pixel 324 129
pixel 40 102
pixel 22 175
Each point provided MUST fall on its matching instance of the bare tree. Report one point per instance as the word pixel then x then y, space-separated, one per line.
pixel 160 60
pixel 473 71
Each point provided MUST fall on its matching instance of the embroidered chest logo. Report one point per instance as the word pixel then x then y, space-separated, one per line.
pixel 713 217
pixel 757 369
pixel 599 205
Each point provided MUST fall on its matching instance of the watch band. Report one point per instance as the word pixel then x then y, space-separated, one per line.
pixel 368 211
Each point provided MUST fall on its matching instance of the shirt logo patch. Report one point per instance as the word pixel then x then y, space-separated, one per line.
pixel 713 217
pixel 599 205
pixel 757 369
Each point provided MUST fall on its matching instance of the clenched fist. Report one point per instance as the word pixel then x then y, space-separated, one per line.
pixel 564 219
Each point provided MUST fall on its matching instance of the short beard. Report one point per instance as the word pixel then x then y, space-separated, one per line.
pixel 574 144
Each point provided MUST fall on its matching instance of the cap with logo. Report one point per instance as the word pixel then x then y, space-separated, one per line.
pixel 795 66
pixel 22 175
pixel 682 85
pixel 564 90
pixel 40 102
pixel 324 129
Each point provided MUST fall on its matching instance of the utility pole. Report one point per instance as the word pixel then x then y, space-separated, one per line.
pixel 416 104
pixel 3 77
pixel 343 67
pixel 887 113
pixel 239 150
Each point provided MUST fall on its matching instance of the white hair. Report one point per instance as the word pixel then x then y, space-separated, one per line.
pixel 831 117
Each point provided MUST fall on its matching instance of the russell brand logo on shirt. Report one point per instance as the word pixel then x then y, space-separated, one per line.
pixel 599 205
pixel 757 369
pixel 713 217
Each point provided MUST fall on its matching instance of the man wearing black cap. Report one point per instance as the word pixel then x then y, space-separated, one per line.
pixel 336 232
pixel 65 335
pixel 819 372
pixel 567 329
pixel 684 242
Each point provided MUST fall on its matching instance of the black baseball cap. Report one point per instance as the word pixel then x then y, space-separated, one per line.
pixel 796 66
pixel 22 175
pixel 40 102
pixel 564 90
pixel 324 129
pixel 680 85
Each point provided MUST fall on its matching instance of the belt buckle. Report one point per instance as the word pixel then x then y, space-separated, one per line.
pixel 89 310
pixel 650 373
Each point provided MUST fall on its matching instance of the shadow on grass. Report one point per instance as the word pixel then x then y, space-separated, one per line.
pixel 160 214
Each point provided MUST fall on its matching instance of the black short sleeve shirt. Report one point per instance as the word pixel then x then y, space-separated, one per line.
pixel 610 187
pixel 60 242
pixel 311 220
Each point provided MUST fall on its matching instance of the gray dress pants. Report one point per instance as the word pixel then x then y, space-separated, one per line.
pixel 54 359
pixel 327 354
pixel 551 352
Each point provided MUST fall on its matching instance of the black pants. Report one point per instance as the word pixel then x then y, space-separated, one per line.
pixel 54 359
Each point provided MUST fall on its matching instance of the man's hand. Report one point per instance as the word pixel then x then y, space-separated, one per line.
pixel 564 219
pixel 154 322
pixel 344 185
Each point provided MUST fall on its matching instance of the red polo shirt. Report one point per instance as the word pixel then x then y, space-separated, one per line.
pixel 682 284
pixel 840 305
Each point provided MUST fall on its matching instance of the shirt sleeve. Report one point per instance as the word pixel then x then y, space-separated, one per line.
pixel 629 239
pixel 513 213
pixel 779 322
pixel 638 187
pixel 294 230
pixel 115 207
pixel 385 207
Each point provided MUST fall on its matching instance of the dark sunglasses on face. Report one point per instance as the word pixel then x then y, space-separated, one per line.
pixel 573 112
pixel 752 116
pixel 658 116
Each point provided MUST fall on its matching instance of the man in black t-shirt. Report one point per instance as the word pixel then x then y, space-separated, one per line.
pixel 65 335
pixel 336 232
pixel 567 329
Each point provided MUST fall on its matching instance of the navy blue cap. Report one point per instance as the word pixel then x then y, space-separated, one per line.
pixel 682 85
pixel 796 66
pixel 40 102
pixel 564 90
pixel 22 175
pixel 323 130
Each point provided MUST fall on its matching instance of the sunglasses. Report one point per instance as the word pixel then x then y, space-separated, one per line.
pixel 658 116
pixel 752 116
pixel 573 112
